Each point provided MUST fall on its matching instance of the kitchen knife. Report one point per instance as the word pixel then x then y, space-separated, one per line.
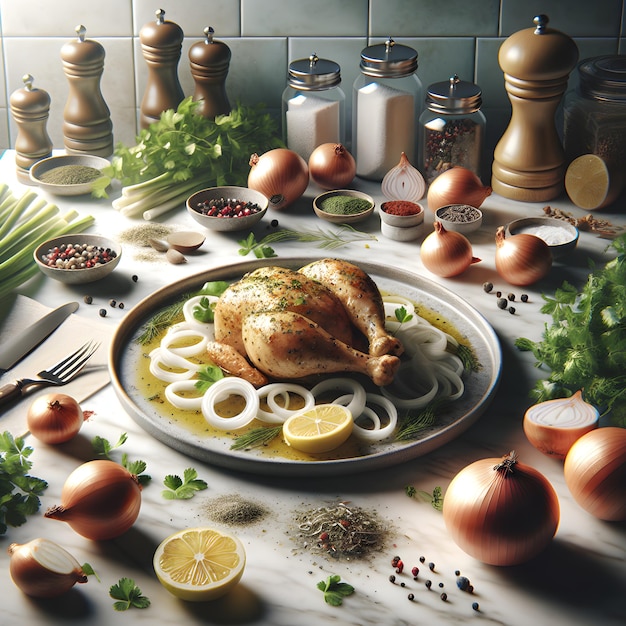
pixel 15 348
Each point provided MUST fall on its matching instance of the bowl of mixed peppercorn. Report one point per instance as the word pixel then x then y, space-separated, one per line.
pixel 78 258
pixel 343 206
pixel 227 208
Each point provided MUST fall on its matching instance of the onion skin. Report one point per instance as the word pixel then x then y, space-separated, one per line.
pixel 595 473
pixel 501 517
pixel 446 253
pixel 99 500
pixel 54 418
pixel 521 259
pixel 281 175
pixel 34 577
pixel 458 185
pixel 331 166
pixel 554 425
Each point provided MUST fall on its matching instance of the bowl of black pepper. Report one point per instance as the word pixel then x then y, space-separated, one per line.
pixel 69 174
pixel 227 208
pixel 78 258
pixel 343 206
pixel 461 218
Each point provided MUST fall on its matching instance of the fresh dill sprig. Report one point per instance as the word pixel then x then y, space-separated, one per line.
pixel 468 358
pixel 414 423
pixel 256 437
pixel 161 320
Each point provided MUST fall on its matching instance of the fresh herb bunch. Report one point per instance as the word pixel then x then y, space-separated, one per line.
pixel 19 492
pixel 585 345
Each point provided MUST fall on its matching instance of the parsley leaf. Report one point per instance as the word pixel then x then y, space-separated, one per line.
pixel 128 595
pixel 334 590
pixel 103 447
pixel 402 315
pixel 203 311
pixel 435 498
pixel 185 488
pixel 19 492
pixel 207 375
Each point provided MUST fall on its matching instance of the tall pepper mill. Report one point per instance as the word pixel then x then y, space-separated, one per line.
pixel 30 108
pixel 209 61
pixel 87 126
pixel 529 160
pixel 161 44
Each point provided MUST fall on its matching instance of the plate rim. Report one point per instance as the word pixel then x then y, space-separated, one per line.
pixel 278 467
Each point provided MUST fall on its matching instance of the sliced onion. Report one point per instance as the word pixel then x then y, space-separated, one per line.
pixel 174 335
pixel 278 413
pixel 382 432
pixel 173 390
pixel 221 390
pixel 358 397
pixel 162 359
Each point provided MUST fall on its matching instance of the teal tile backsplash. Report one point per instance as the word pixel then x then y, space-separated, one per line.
pixel 455 36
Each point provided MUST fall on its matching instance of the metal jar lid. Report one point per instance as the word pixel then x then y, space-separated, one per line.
pixel 604 77
pixel 388 60
pixel 314 74
pixel 454 96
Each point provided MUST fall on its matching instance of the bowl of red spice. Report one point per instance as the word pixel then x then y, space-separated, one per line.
pixel 343 206
pixel 78 258
pixel 401 220
pixel 461 218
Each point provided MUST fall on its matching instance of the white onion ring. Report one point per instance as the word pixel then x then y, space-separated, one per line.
pixel 366 434
pixel 187 404
pixel 159 358
pixel 455 381
pixel 279 414
pixel 357 403
pixel 219 391
pixel 174 335
pixel 371 415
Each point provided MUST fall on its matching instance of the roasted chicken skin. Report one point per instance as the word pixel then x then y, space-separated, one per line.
pixel 286 324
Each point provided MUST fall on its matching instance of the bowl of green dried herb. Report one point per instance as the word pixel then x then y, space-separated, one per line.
pixel 343 206
pixel 68 174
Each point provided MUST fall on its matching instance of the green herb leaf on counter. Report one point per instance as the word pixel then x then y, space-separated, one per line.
pixel 19 492
pixel 334 590
pixel 128 595
pixel 136 468
pixel 435 498
pixel 103 447
pixel 88 570
pixel 585 345
pixel 185 488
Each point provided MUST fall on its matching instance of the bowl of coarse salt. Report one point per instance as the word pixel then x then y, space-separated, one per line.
pixel 561 236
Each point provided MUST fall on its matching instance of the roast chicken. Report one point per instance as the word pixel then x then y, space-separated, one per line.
pixel 281 324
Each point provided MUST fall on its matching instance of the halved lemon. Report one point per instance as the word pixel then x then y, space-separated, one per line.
pixel 320 429
pixel 589 183
pixel 199 564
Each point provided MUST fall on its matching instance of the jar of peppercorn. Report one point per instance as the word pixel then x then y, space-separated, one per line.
pixel 451 129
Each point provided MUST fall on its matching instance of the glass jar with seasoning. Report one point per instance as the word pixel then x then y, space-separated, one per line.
pixel 386 104
pixel 313 105
pixel 451 129
pixel 595 113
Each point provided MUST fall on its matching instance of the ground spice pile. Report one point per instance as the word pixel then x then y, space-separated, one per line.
pixel 342 531
pixel 235 511
pixel 141 235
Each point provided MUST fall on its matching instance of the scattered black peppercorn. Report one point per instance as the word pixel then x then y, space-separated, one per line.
pixel 120 305
pixel 475 606
pixel 441 585
pixel 444 596
pixel 112 303
pixel 463 583
pixel 511 297
pixel 431 567
pixel 102 312
pixel 502 303
pixel 411 597
pixel 457 572
pixel 87 299
pixel 422 559
pixel 488 287
pixel 524 297
pixel 402 584
pixel 498 294
pixel 512 310
pixel 392 579
pixel 134 278
pixel 274 223
pixel 429 584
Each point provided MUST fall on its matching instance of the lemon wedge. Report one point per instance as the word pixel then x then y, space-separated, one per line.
pixel 589 183
pixel 320 429
pixel 199 564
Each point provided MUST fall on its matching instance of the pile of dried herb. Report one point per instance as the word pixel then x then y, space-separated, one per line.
pixel 235 511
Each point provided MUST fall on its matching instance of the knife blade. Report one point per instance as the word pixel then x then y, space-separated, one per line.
pixel 17 347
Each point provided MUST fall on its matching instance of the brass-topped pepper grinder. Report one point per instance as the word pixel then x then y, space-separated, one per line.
pixel 529 160
pixel 30 108
pixel 161 44
pixel 87 126
pixel 209 61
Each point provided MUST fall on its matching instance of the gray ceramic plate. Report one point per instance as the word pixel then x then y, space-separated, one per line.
pixel 125 354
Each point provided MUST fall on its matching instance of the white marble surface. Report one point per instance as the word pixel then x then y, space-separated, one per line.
pixel 579 579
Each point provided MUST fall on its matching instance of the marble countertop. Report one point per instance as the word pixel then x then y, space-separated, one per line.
pixel 578 579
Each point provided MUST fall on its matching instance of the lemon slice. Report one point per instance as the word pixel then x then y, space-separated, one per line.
pixel 199 564
pixel 320 429
pixel 589 183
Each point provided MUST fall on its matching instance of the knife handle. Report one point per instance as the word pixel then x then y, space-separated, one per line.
pixel 10 391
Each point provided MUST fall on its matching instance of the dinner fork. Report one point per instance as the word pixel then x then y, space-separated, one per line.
pixel 59 374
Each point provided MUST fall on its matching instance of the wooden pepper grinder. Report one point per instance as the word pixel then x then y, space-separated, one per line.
pixel 30 108
pixel 529 161
pixel 87 126
pixel 161 44
pixel 209 61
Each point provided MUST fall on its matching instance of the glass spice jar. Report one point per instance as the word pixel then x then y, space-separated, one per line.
pixel 387 101
pixel 313 105
pixel 451 129
pixel 595 113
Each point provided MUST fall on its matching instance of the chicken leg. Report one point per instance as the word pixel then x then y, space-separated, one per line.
pixel 360 297
pixel 285 344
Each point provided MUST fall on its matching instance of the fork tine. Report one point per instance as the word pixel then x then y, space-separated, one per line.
pixel 68 365
pixel 69 374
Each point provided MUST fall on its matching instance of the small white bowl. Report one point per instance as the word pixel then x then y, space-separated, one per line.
pixel 339 218
pixel 45 165
pixel 401 221
pixel 78 276
pixel 460 218
pixel 227 224
pixel 561 236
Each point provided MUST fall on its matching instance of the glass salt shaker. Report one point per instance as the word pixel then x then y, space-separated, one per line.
pixel 386 104
pixel 313 105
pixel 451 129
